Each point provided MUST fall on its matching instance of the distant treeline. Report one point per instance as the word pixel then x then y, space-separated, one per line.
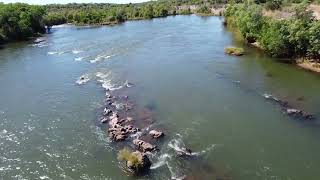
pixel 293 37
pixel 20 21
pixel 297 36
pixel 113 13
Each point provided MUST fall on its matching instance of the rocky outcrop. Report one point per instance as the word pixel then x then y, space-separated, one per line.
pixel 156 134
pixel 122 120
pixel 144 146
pixel 288 109
pixel 118 131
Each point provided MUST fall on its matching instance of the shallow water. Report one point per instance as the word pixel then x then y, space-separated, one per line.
pixel 202 99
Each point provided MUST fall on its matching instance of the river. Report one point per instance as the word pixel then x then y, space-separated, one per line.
pixel 200 97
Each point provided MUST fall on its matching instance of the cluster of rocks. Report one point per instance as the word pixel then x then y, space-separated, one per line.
pixel 121 127
pixel 289 110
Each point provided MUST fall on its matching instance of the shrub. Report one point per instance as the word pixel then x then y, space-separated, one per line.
pixel 273 4
pixel 204 10
pixel 295 37
pixel 314 40
pixel 234 51
pixel 249 21
pixel 128 156
pixel 272 39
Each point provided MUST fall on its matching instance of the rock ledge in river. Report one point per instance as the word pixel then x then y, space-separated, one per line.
pixel 144 146
pixel 156 134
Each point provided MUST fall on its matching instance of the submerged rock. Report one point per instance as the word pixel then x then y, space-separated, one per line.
pixel 156 134
pixel 128 84
pixel 288 109
pixel 294 111
pixel 107 111
pixel 104 120
pixel 144 146
pixel 184 152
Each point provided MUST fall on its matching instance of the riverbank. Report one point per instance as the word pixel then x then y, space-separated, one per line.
pixel 279 34
pixel 304 63
pixel 309 65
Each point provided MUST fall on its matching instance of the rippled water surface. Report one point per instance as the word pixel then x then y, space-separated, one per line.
pixel 51 95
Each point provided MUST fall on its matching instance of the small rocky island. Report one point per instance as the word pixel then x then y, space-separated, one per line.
pixel 236 51
pixel 129 124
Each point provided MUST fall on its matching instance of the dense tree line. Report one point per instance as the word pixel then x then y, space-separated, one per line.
pixel 20 21
pixel 298 36
pixel 111 13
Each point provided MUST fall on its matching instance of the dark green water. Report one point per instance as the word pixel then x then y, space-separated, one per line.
pixel 201 97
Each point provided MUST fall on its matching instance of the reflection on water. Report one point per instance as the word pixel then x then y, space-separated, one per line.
pixel 53 90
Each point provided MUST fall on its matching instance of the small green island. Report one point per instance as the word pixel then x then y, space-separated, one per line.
pixel 234 51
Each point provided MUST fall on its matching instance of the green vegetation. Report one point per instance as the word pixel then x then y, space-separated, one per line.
pixel 20 21
pixel 128 156
pixel 204 10
pixel 82 14
pixel 296 36
pixel 234 51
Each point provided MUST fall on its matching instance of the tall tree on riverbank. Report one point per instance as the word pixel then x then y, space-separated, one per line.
pixel 20 21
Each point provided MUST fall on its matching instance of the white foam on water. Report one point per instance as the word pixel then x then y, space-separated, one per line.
pixel 83 79
pixel 44 177
pixel 179 146
pixel 103 75
pixel 174 175
pixel 8 136
pixel 59 26
pixel 204 151
pixel 270 96
pixel 161 161
pixel 40 44
pixel 80 58
pixel 53 52
pixel 76 51
pixel 56 52
pixel 99 58
pixel 106 82
pixel 5 168
pixel 103 139
pixel 128 84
